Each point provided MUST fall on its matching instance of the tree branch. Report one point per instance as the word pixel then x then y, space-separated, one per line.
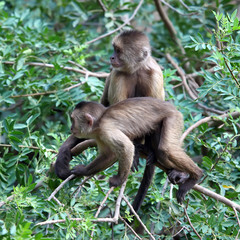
pixel 30 147
pixel 168 24
pixel 120 27
pixel 100 74
pixel 190 223
pixel 207 119
pixel 138 218
pixel 216 196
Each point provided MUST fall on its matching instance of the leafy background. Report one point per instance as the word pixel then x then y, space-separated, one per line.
pixel 201 45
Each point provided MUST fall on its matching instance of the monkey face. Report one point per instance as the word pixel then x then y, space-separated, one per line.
pixel 115 59
pixel 82 123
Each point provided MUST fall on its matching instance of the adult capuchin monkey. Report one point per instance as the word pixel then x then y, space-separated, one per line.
pixel 115 127
pixel 135 73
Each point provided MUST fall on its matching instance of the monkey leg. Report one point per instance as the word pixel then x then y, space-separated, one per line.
pixel 64 157
pixel 153 144
pixel 174 157
pixel 123 149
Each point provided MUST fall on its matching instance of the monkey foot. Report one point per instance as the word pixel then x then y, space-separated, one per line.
pixel 177 177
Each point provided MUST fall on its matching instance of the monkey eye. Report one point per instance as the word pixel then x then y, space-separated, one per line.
pixel 117 50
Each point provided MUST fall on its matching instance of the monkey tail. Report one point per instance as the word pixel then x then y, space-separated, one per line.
pixel 142 191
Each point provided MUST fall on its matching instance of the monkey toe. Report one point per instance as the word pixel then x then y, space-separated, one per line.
pixel 180 196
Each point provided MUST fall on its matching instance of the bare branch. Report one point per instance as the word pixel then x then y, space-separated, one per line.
pixel 77 191
pixel 102 5
pixel 10 198
pixel 207 119
pixel 126 224
pixel 236 214
pixel 120 27
pixel 182 75
pixel 60 186
pixel 189 221
pixel 48 92
pixel 101 206
pixel 138 218
pixel 100 74
pixel 216 196
pixel 30 147
pixel 168 24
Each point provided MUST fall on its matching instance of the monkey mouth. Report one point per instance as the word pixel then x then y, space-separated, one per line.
pixel 115 65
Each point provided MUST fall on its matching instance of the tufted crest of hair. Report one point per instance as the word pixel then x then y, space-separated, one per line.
pixel 92 108
pixel 134 45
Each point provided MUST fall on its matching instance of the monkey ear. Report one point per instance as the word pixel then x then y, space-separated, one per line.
pixel 89 119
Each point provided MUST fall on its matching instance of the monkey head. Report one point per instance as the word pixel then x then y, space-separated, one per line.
pixel 83 118
pixel 131 50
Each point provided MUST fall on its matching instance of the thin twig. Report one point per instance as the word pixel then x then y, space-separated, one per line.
pixel 81 185
pixel 101 206
pixel 216 196
pixel 185 210
pixel 175 10
pixel 102 5
pixel 48 92
pixel 58 202
pixel 169 25
pixel 126 224
pixel 207 119
pixel 60 186
pixel 30 147
pixel 182 75
pixel 236 214
pixel 100 74
pixel 73 219
pixel 195 74
pixel 228 67
pixel 138 218
pixel 103 201
pixel 10 198
pixel 120 27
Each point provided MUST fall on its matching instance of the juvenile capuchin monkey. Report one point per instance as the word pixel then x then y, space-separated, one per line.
pixel 114 128
pixel 134 73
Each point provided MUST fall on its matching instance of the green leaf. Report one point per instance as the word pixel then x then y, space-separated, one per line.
pixel 31 119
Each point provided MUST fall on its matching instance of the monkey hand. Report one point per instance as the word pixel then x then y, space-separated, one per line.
pixel 79 170
pixel 177 177
pixel 115 181
pixel 62 163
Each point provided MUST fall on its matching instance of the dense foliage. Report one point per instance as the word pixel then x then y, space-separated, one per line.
pixel 44 51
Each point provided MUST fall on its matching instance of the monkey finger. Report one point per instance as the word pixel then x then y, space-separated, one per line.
pixel 115 181
pixel 79 170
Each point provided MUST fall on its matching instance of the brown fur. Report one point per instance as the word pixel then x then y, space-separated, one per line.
pixel 114 138
pixel 135 73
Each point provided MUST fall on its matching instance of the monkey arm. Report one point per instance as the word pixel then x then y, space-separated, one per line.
pixel 64 157
pixel 104 99
pixel 102 162
pixel 79 148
